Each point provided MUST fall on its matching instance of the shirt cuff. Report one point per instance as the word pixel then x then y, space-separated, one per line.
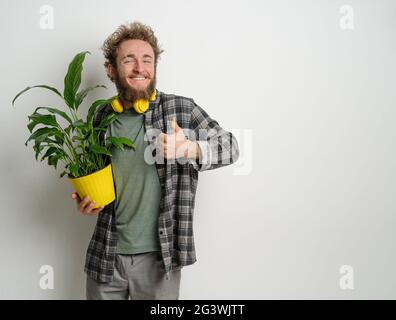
pixel 205 159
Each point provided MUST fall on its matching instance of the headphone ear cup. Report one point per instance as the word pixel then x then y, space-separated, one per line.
pixel 141 105
pixel 116 104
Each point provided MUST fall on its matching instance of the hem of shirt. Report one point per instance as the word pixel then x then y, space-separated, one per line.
pixel 136 251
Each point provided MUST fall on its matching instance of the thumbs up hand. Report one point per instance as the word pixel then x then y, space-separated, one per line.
pixel 175 127
pixel 176 145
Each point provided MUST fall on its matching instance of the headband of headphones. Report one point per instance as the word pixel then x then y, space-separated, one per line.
pixel 140 105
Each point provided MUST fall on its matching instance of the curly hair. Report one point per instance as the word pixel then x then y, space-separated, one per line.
pixel 134 30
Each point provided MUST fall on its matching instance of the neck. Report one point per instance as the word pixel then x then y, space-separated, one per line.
pixel 127 104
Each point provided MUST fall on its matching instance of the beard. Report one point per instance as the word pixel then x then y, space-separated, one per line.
pixel 130 94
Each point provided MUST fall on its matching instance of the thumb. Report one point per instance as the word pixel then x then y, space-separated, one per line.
pixel 175 126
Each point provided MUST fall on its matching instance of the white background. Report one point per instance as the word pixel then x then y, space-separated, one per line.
pixel 320 104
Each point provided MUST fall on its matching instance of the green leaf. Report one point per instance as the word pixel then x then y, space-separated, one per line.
pixel 74 170
pixel 39 86
pixel 99 149
pixel 38 147
pixel 92 109
pixel 82 94
pixel 53 160
pixel 68 129
pixel 41 134
pixel 119 142
pixel 60 138
pixel 77 138
pixel 62 174
pixel 37 118
pixel 108 120
pixel 115 143
pixel 50 151
pixel 87 133
pixel 49 141
pixel 125 141
pixel 73 79
pixel 56 111
pixel 79 123
pixel 81 126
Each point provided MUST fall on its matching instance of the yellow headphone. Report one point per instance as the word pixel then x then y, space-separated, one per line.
pixel 140 105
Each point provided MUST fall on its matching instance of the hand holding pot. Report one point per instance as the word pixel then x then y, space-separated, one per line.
pixel 86 206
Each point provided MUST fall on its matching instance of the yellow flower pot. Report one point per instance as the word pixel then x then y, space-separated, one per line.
pixel 99 186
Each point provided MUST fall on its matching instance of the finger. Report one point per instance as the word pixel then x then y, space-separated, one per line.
pixel 97 210
pixel 163 137
pixel 84 203
pixel 169 154
pixel 174 125
pixel 76 197
pixel 163 144
pixel 168 147
pixel 178 128
pixel 86 200
pixel 88 209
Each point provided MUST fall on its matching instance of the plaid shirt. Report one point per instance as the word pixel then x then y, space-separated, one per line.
pixel 178 183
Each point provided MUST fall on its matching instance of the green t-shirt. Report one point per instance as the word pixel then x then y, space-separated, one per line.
pixel 138 190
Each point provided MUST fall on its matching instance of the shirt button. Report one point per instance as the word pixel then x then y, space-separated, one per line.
pixel 161 232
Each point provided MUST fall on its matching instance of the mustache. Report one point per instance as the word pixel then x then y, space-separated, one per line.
pixel 139 75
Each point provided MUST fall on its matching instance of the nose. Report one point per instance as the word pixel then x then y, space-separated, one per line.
pixel 138 66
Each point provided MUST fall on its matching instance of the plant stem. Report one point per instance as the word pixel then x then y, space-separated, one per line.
pixel 85 165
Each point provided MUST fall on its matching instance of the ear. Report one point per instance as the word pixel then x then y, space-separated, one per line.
pixel 111 72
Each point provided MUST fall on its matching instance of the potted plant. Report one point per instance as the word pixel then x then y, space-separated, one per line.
pixel 77 144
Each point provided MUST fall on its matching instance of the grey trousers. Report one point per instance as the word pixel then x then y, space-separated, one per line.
pixel 137 276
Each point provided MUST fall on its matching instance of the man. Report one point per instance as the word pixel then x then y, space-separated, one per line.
pixel 144 238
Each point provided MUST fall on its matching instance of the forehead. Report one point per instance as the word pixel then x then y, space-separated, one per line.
pixel 136 47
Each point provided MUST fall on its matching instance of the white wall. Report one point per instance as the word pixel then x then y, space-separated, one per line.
pixel 318 100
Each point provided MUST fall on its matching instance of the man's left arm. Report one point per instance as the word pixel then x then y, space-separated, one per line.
pixel 215 147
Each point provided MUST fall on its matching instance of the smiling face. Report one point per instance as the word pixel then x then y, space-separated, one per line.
pixel 135 72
